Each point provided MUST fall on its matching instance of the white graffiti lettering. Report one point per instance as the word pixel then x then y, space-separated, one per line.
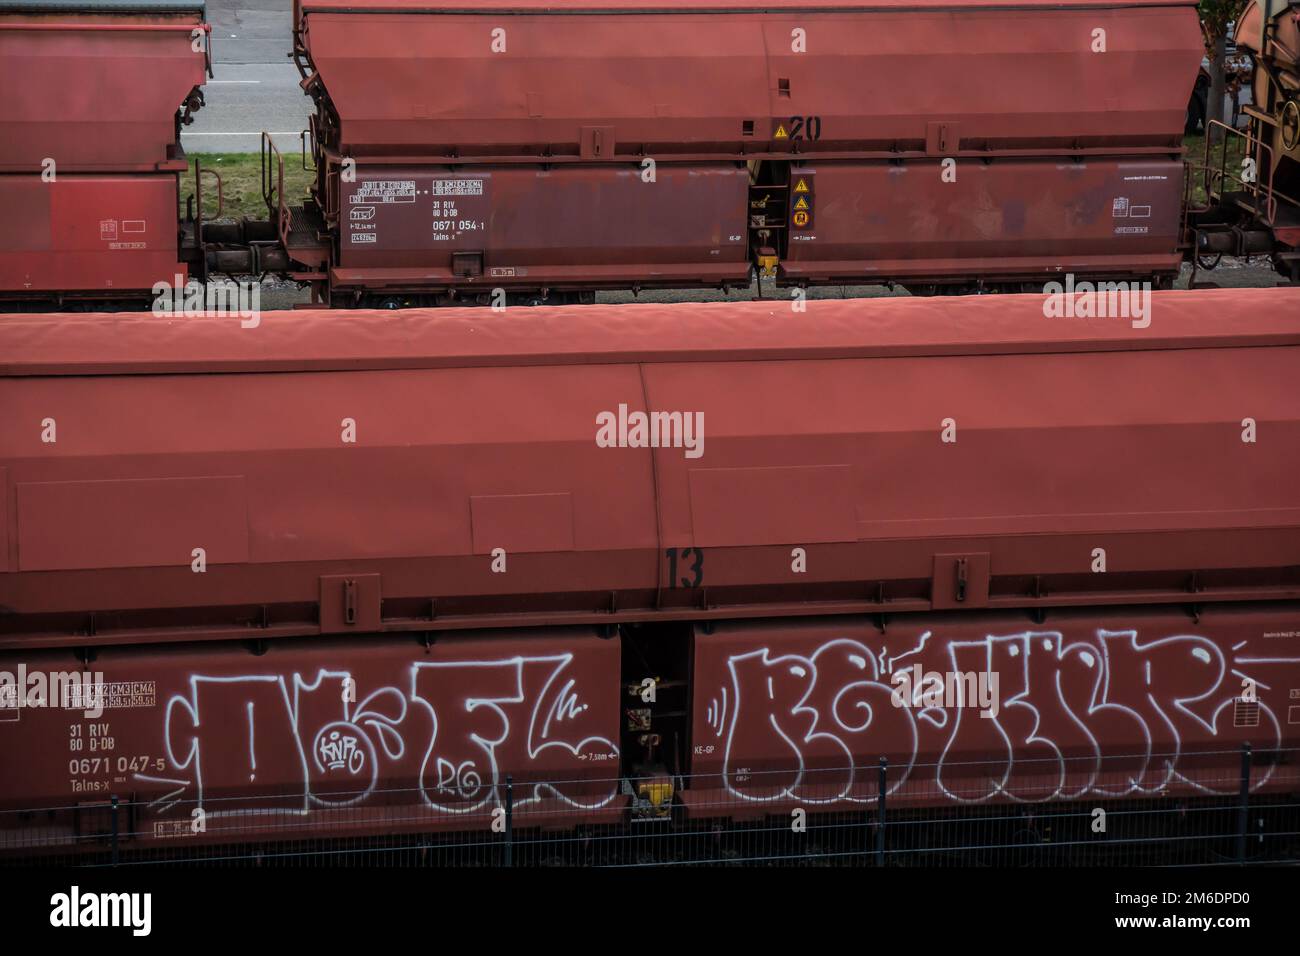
pixel 298 742
pixel 821 721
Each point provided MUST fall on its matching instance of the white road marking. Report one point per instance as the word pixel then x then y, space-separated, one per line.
pixel 187 134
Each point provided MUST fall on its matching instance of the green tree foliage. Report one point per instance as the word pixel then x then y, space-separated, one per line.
pixel 1217 18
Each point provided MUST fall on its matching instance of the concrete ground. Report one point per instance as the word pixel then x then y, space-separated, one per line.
pixel 256 84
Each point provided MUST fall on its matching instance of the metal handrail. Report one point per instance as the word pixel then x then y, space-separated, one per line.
pixel 1265 197
pixel 273 193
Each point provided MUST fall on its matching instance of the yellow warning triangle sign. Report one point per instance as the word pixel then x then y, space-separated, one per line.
pixel 781 133
pixel 802 203
pixel 802 187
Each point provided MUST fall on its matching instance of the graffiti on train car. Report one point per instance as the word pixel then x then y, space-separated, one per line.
pixel 1096 714
pixel 452 727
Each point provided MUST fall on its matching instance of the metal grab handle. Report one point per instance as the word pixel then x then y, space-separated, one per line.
pixel 221 196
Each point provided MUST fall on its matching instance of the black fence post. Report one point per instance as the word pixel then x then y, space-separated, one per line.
pixel 880 814
pixel 510 820
pixel 1243 803
pixel 114 844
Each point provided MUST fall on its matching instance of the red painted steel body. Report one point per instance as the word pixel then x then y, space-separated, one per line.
pixel 476 431
pixel 577 226
pixel 681 77
pixel 95 91
pixel 89 152
pixel 107 234
pixel 1007 218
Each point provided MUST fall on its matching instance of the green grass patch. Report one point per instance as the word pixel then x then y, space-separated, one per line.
pixel 241 183
pixel 1236 151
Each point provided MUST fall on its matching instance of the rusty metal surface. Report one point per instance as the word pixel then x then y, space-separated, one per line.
pixel 1032 217
pixel 422 738
pixel 477 431
pixel 95 92
pixel 106 234
pixel 800 714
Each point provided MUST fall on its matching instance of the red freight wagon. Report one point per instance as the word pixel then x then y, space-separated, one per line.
pixel 470 146
pixel 1099 514
pixel 90 152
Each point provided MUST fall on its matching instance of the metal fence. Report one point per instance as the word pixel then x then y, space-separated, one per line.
pixel 1225 807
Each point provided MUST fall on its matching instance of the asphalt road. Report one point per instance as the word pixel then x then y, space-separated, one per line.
pixel 256 85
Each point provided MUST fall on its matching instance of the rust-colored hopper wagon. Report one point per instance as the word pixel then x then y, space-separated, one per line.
pixel 551 151
pixel 94 94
